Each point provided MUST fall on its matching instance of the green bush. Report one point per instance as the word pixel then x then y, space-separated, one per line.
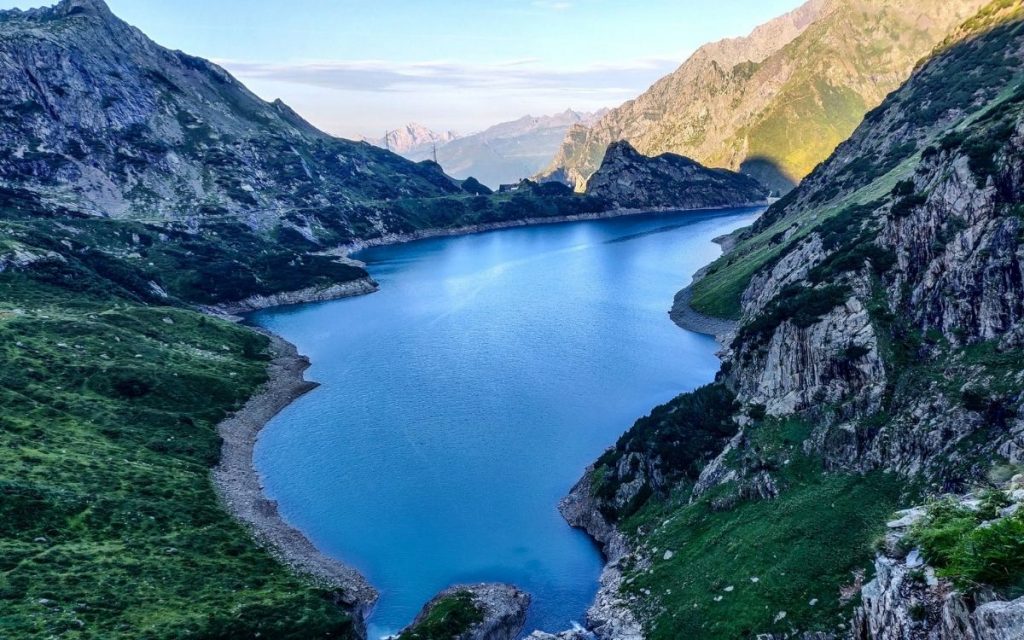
pixel 804 306
pixel 954 539
pixel 448 618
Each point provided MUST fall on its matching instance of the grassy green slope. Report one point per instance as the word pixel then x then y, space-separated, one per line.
pixel 109 524
pixel 734 572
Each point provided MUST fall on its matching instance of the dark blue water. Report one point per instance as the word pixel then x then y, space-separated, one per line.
pixel 463 400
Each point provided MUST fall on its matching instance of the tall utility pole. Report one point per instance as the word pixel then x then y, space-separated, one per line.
pixel 435 154
pixel 387 140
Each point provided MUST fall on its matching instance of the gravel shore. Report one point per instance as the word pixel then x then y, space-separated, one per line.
pixel 239 486
pixel 688 318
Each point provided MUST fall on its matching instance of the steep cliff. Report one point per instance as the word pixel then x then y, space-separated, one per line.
pixel 776 103
pixel 877 363
pixel 630 180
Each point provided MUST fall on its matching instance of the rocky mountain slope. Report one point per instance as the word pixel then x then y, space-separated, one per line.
pixel 97 116
pixel 776 103
pixel 630 180
pixel 505 153
pixel 878 363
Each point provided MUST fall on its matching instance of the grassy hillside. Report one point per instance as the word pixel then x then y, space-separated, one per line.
pixel 109 524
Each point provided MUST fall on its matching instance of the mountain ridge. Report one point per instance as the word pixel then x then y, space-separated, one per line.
pixel 166 132
pixel 630 180
pixel 775 117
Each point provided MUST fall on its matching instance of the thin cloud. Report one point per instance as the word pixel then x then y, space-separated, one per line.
pixel 513 75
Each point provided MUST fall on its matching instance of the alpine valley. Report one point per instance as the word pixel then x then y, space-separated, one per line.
pixel 855 471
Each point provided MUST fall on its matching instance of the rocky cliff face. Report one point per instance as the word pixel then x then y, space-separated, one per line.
pixel 776 103
pixel 879 337
pixel 609 617
pixel 633 181
pixel 928 271
pixel 908 600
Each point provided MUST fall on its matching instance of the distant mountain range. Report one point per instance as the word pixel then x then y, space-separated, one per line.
pixel 775 103
pixel 503 154
pixel 412 138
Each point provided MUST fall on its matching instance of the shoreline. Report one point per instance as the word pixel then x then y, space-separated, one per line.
pixel 238 484
pixel 241 492
pixel 609 616
pixel 686 317
pixel 346 250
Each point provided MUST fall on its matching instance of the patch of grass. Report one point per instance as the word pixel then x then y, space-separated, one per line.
pixel 448 618
pixel 733 573
pixel 970 551
pixel 109 524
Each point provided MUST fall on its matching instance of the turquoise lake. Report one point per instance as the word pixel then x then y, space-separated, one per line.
pixel 463 400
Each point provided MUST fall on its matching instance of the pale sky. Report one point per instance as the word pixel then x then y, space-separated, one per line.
pixel 362 67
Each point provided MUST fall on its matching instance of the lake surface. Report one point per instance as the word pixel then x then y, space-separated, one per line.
pixel 463 400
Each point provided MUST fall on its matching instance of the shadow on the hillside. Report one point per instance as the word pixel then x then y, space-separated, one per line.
pixel 768 172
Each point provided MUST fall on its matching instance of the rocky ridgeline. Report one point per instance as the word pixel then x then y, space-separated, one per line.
pixel 630 180
pixel 98 118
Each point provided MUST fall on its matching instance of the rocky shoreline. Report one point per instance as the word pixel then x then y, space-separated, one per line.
pixel 403 238
pixel 690 319
pixel 350 289
pixel 609 618
pixel 503 609
pixel 240 489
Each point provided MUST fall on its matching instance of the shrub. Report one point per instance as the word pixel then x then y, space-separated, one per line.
pixel 448 618
pixel 804 306
pixel 952 539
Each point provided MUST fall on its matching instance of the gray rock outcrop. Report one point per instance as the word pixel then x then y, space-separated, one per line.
pixel 503 608
pixel 631 180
